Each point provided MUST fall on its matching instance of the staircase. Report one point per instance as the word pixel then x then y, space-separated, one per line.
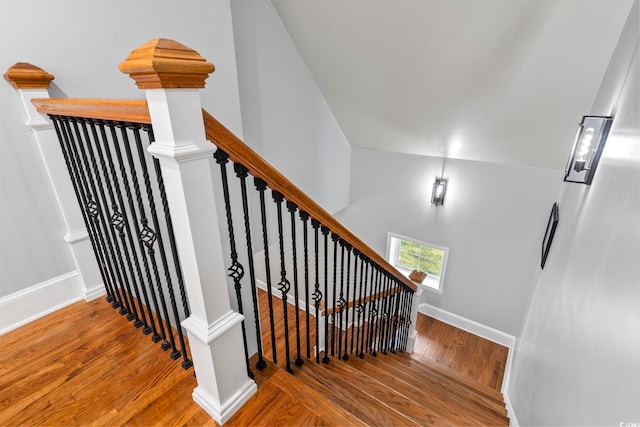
pixel 392 389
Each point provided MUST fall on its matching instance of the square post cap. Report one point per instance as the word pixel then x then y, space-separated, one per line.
pixel 166 64
pixel 23 75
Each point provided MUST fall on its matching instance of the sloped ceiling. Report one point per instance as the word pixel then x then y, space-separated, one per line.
pixel 503 81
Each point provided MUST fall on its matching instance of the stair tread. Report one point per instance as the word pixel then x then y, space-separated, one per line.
pixel 429 396
pixel 450 382
pixel 343 393
pixel 424 361
pixel 388 395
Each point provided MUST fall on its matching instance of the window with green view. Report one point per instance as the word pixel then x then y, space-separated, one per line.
pixel 409 254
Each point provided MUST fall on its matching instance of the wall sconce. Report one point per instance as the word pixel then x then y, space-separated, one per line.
pixel 439 190
pixel 587 149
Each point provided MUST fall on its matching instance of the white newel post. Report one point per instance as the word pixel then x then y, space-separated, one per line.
pixel 33 82
pixel 171 75
pixel 415 302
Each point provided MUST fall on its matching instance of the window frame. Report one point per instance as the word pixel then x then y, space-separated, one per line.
pixel 393 253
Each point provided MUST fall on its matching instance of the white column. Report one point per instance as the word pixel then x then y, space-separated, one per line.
pixel 186 160
pixel 46 139
pixel 414 318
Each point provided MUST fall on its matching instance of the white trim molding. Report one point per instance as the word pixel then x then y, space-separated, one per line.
pixel 37 301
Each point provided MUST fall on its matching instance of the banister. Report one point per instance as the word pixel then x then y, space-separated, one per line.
pixel 125 110
pixel 239 152
pixel 136 111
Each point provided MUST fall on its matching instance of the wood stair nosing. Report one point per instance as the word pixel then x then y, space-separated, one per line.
pixel 441 380
pixel 344 394
pixel 441 402
pixel 424 365
pixel 389 396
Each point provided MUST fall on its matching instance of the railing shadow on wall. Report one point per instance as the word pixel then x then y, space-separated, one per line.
pixel 327 294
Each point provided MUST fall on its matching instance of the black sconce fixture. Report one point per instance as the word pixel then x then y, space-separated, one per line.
pixel 439 190
pixel 587 149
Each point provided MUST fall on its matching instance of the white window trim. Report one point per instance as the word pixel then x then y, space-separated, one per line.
pixel 428 284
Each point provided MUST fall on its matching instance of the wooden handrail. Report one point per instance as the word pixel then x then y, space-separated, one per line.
pixel 365 299
pixel 124 110
pixel 239 152
pixel 136 111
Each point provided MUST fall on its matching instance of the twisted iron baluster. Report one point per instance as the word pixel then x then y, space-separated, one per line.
pixel 100 203
pixel 334 238
pixel 242 173
pixel 97 243
pixel 341 301
pixel 396 317
pixel 292 208
pixel 236 271
pixel 325 233
pixel 169 222
pixel 363 300
pixel 283 286
pixel 261 186
pixel 356 256
pixel 317 295
pixel 345 306
pixel 361 305
pixel 305 219
pixel 155 337
pixel 375 311
pixel 151 236
pixel 124 223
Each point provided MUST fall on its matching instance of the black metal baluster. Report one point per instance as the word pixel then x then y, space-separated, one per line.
pixel 361 305
pixel 242 173
pixel 374 340
pixel 149 237
pixel 387 314
pixel 371 306
pixel 98 203
pixel 406 318
pixel 305 219
pixel 283 286
pixel 317 295
pixel 396 318
pixel 151 327
pixel 125 223
pixel 89 220
pixel 325 234
pixel 334 238
pixel 175 354
pixel 155 337
pixel 356 307
pixel 172 238
pixel 365 306
pixel 261 186
pixel 341 300
pixel 346 305
pixel 292 208
pixel 236 271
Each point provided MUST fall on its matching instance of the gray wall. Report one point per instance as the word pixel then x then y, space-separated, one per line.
pixel 82 43
pixel 284 115
pixel 493 221
pixel 577 362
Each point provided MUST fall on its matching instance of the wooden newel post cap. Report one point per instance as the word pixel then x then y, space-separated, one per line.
pixel 23 75
pixel 166 64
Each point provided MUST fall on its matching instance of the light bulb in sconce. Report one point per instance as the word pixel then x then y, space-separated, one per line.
pixel 439 191
pixel 587 149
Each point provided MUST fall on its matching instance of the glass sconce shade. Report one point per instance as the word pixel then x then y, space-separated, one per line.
pixel 587 149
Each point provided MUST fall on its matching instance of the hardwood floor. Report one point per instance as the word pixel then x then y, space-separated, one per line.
pixel 86 365
pixel 476 358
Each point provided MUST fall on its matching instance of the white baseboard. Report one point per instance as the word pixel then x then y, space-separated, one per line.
pixel 468 325
pixel 39 300
pixel 93 293
pixel 513 421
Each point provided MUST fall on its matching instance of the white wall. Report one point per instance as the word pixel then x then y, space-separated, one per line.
pixel 285 117
pixel 493 221
pixel 577 362
pixel 82 43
